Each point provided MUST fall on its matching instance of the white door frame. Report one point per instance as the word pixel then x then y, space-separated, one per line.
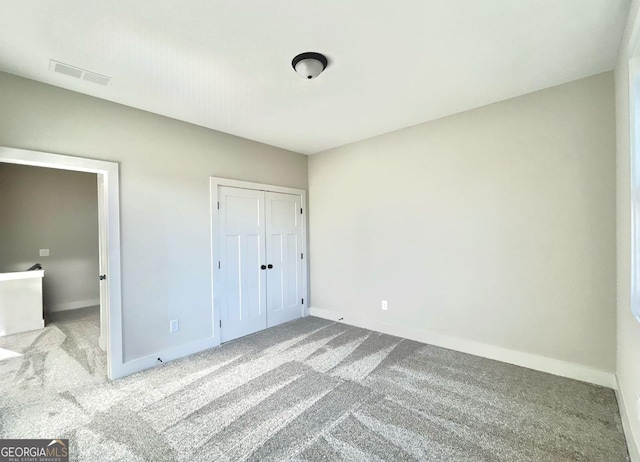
pixel 214 183
pixel 110 222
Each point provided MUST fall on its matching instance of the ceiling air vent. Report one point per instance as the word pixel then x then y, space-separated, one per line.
pixel 78 73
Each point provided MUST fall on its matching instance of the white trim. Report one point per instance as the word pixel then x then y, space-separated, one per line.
pixel 632 444
pixel 256 186
pixel 66 306
pixel 22 327
pixel 634 174
pixel 214 183
pixel 21 275
pixel 149 361
pixel 629 52
pixel 110 173
pixel 519 358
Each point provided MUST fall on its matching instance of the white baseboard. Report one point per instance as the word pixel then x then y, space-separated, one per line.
pixel 147 362
pixel 72 305
pixel 519 358
pixel 632 444
pixel 22 327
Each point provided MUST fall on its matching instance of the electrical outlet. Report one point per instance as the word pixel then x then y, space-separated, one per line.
pixel 173 325
pixel 44 252
pixel 385 305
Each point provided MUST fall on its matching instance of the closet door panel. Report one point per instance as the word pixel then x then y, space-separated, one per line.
pixel 284 255
pixel 243 252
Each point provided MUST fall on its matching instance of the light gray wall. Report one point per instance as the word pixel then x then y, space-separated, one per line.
pixel 43 208
pixel 495 225
pixel 628 339
pixel 165 167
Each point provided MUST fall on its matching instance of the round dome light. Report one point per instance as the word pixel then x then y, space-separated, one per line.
pixel 309 65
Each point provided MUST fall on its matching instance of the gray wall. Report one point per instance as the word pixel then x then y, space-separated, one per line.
pixel 628 357
pixel 164 171
pixel 495 225
pixel 52 209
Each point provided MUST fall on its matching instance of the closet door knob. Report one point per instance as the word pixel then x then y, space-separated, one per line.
pixel 270 266
pixel 263 267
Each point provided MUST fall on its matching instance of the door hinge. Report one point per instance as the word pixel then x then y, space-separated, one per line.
pixel 303 301
pixel 218 205
pixel 221 323
pixel 300 211
pixel 218 265
pixel 301 256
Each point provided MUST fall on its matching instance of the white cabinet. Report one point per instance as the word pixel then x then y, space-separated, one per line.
pixel 21 302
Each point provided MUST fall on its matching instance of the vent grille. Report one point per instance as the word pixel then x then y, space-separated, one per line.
pixel 78 73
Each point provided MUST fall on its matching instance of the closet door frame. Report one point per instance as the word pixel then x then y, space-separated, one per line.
pixel 216 295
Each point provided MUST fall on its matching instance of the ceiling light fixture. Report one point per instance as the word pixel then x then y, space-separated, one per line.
pixel 309 65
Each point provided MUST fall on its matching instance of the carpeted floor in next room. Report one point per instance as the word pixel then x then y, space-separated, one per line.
pixel 308 390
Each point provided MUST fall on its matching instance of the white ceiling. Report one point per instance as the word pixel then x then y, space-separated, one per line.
pixel 225 64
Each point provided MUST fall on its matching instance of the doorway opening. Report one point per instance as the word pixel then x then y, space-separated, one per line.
pixel 82 270
pixel 259 257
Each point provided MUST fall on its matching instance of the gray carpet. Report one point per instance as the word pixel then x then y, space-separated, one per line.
pixel 309 390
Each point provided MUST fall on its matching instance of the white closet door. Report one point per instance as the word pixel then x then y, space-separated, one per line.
pixel 242 244
pixel 284 257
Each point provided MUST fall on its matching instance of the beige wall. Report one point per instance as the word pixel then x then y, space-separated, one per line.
pixel 43 208
pixel 495 225
pixel 164 171
pixel 628 339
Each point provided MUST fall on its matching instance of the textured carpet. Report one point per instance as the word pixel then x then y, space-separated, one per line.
pixel 308 390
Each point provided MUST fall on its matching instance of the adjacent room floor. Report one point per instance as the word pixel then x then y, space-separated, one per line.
pixel 306 390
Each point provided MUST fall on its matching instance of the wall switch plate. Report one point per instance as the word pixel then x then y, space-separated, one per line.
pixel 385 305
pixel 173 325
pixel 44 252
